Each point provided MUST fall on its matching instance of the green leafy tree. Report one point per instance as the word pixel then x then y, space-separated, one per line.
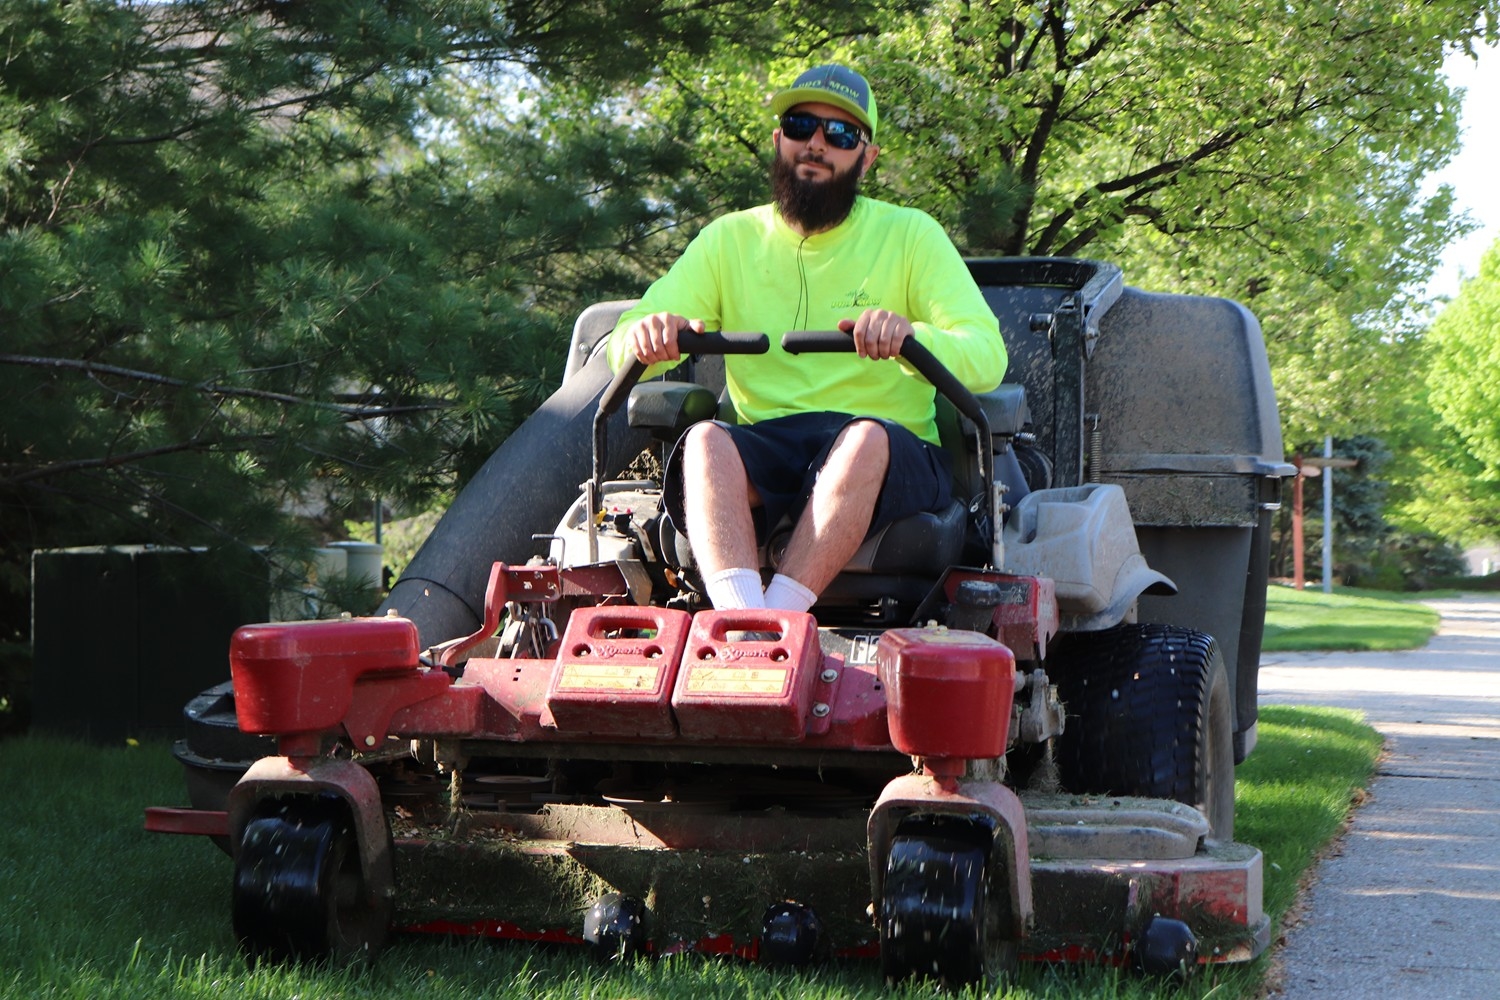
pixel 1270 154
pixel 1453 486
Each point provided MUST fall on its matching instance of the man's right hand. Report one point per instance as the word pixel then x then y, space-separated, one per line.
pixel 653 338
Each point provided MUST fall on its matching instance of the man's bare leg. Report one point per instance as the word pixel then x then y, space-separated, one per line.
pixel 717 499
pixel 837 517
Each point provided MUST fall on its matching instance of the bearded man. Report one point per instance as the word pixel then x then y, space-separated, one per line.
pixel 842 444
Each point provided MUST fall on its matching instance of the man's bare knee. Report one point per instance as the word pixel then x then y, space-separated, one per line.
pixel 709 455
pixel 705 446
pixel 703 436
pixel 863 445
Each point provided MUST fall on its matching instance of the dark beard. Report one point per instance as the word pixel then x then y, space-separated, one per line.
pixel 813 206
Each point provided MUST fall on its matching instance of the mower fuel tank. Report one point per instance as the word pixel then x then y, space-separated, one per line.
pixel 308 677
pixel 948 692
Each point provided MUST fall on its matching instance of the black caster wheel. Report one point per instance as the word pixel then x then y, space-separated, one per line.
pixel 615 927
pixel 1167 947
pixel 792 934
pixel 299 891
pixel 936 919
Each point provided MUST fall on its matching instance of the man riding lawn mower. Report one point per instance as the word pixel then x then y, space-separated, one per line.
pixel 974 716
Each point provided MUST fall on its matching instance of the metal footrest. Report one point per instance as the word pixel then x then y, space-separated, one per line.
pixel 1097 827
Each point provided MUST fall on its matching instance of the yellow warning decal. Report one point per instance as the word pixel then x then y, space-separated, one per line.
pixel 607 677
pixel 736 680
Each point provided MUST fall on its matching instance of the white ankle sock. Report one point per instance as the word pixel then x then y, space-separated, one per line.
pixel 788 595
pixel 731 589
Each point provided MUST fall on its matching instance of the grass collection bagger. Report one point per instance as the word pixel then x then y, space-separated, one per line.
pixel 1006 732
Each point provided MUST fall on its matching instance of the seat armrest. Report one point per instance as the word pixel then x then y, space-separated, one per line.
pixel 666 409
pixel 1005 406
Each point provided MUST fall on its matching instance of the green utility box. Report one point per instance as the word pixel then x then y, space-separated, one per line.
pixel 124 636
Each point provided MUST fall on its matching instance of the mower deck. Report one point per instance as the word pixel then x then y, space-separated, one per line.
pixel 708 876
pixel 707 789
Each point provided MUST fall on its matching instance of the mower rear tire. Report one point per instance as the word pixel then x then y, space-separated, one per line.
pixel 1150 714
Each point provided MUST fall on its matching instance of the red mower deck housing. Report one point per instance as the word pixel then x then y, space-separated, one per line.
pixel 1075 877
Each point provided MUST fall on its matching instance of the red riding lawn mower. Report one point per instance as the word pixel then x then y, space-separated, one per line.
pixel 1005 732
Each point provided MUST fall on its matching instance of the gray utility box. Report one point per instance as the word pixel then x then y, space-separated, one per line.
pixel 1170 397
pixel 123 637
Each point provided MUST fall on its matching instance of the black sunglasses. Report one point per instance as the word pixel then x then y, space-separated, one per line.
pixel 800 126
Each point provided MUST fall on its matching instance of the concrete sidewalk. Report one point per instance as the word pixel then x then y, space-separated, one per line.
pixel 1409 909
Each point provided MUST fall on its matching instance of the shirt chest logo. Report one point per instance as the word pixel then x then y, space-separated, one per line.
pixel 857 299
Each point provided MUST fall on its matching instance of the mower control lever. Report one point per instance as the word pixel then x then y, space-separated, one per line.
pixel 912 352
pixel 618 390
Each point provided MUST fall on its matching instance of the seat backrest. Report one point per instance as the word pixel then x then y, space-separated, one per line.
pixel 1005 407
pixel 590 330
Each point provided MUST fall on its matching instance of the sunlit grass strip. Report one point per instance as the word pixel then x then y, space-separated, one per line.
pixel 1355 620
pixel 94 908
pixel 1294 792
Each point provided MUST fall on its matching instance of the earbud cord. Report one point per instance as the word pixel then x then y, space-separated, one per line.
pixel 803 292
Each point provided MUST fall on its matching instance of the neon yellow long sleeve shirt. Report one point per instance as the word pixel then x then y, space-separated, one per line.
pixel 749 271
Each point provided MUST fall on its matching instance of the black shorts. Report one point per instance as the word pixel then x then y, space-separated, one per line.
pixel 783 457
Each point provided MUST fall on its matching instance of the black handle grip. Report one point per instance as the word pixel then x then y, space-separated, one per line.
pixel 816 342
pixel 723 342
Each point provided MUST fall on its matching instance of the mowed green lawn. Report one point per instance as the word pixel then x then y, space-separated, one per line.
pixel 1346 619
pixel 91 906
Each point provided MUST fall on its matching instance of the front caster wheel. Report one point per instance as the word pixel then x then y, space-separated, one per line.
pixel 300 893
pixel 615 927
pixel 938 918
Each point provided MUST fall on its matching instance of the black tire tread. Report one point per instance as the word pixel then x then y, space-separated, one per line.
pixel 1137 701
pixel 941 914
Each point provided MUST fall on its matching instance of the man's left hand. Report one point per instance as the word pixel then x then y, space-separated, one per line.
pixel 878 333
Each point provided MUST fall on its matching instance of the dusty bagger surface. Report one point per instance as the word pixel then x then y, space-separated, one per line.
pixel 1409 907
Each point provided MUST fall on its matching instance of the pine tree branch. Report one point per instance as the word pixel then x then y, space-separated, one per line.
pixel 353 412
pixel 126 458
